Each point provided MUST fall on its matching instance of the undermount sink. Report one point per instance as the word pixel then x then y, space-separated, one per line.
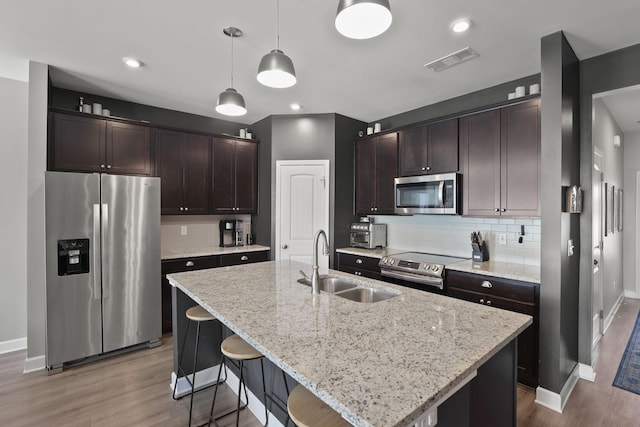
pixel 331 284
pixel 346 289
pixel 367 295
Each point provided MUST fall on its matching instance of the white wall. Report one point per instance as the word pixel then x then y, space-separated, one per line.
pixel 13 215
pixel 450 235
pixel 604 127
pixel 631 142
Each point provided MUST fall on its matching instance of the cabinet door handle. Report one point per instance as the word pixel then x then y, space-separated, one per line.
pixel 108 166
pixel 186 209
pixel 503 210
pixel 423 169
pixel 375 209
pixel 488 302
pixel 487 284
pixel 497 210
pixel 357 273
pixel 244 258
pixel 481 301
pixel 189 264
pixel 102 166
pixel 371 209
pixel 358 261
pixel 428 168
pixel 181 208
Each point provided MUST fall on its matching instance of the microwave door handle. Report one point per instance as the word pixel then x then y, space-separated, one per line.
pixel 441 194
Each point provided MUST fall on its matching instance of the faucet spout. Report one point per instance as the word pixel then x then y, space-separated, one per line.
pixel 315 277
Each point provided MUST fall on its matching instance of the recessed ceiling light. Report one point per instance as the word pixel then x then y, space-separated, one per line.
pixel 295 106
pixel 461 25
pixel 132 62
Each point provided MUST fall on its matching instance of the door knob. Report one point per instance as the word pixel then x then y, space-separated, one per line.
pixel 284 246
pixel 595 262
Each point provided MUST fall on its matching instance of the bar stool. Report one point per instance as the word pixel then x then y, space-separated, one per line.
pixel 306 410
pixel 236 349
pixel 198 315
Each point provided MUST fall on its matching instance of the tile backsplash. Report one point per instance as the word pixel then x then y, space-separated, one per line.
pixel 450 235
pixel 202 230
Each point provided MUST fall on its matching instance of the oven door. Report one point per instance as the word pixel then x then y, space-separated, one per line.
pixel 415 281
pixel 360 239
pixel 429 194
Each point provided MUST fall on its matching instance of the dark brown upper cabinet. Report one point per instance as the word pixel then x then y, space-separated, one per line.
pixel 183 163
pixel 429 149
pixel 91 144
pixel 376 161
pixel 500 161
pixel 235 176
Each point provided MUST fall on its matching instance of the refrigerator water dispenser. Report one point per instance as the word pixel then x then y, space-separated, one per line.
pixel 73 257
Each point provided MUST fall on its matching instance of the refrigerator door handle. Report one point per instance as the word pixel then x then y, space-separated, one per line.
pixel 97 270
pixel 105 253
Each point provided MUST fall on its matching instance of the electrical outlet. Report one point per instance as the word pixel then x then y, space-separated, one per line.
pixel 570 247
pixel 183 230
pixel 502 238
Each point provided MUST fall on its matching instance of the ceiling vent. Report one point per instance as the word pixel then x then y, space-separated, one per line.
pixel 452 59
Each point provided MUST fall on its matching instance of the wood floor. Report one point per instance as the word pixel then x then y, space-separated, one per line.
pixel 133 390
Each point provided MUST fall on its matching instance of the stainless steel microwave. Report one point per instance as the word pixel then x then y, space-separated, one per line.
pixel 427 194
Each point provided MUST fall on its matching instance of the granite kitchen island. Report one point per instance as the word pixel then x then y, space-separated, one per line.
pixel 386 363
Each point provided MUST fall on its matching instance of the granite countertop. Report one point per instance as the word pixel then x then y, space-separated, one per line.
pixel 380 364
pixel 525 273
pixel 373 253
pixel 175 253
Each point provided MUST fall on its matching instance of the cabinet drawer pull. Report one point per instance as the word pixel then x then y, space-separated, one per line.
pixel 423 169
pixel 244 258
pixel 358 261
pixel 487 284
pixel 108 166
pixel 181 209
pixel 481 301
pixel 357 273
pixel 102 166
pixel 488 302
pixel 190 264
pixel 186 209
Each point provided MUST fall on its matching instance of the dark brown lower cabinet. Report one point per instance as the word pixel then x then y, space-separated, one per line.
pixel 359 265
pixel 199 263
pixel 512 295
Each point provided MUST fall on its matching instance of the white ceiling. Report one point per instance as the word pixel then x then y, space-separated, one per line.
pixel 187 56
pixel 624 106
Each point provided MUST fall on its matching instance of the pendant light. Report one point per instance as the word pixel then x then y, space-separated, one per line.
pixel 276 69
pixel 363 19
pixel 230 102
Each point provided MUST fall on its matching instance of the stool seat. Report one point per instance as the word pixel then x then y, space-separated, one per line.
pixel 306 410
pixel 199 314
pixel 236 348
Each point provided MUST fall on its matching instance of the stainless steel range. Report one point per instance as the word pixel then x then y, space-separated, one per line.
pixel 415 268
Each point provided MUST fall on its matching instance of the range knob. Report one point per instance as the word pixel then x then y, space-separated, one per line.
pixel 384 260
pixel 393 261
pixel 435 268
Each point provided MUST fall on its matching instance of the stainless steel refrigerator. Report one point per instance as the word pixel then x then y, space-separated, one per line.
pixel 103 264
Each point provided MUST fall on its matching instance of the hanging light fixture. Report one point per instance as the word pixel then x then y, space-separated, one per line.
pixel 276 69
pixel 230 102
pixel 363 19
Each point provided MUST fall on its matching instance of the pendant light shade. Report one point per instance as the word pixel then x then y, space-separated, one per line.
pixel 363 19
pixel 230 102
pixel 276 69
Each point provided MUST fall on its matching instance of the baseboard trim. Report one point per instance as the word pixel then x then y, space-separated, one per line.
pixel 554 401
pixel 204 378
pixel 612 313
pixel 631 294
pixel 32 364
pixel 13 345
pixel 587 372
pixel 255 405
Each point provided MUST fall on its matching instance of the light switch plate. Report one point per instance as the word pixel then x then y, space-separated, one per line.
pixel 502 238
pixel 570 247
pixel 183 230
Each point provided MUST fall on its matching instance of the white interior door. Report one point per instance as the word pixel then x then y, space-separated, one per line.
pixel 598 229
pixel 302 208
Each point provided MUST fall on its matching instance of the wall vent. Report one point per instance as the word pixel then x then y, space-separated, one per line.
pixel 452 59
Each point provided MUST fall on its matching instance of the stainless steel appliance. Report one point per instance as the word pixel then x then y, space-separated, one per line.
pixel 231 232
pixel 102 264
pixel 368 235
pixel 427 194
pixel 417 270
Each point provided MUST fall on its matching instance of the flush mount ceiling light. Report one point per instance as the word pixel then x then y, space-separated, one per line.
pixel 132 62
pixel 230 102
pixel 276 69
pixel 363 19
pixel 460 25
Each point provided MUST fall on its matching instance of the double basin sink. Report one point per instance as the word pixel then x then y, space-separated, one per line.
pixel 345 288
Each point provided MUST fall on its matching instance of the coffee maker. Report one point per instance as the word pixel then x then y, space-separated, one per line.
pixel 231 232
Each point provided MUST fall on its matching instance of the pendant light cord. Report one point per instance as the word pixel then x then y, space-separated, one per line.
pixel 278 24
pixel 232 37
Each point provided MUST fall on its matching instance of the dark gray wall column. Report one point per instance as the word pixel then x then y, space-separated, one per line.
pixel 261 222
pixel 560 167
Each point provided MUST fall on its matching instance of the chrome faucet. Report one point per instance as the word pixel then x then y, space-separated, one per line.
pixel 315 277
